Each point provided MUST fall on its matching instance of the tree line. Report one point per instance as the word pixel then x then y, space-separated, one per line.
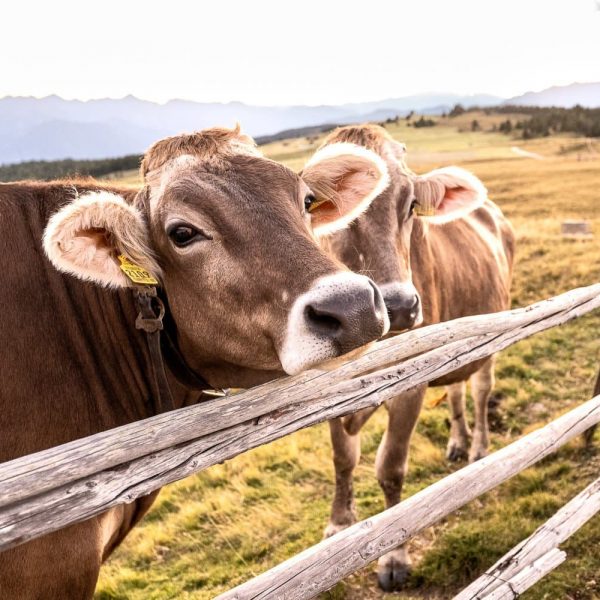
pixel 541 121
pixel 57 169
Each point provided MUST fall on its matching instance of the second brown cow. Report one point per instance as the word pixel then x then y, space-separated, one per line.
pixel 454 262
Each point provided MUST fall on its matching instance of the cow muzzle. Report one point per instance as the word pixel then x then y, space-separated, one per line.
pixel 403 304
pixel 338 314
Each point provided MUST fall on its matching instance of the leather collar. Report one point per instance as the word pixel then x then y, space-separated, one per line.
pixel 152 312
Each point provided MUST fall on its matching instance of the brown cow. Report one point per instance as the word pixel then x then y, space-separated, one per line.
pixel 249 293
pixel 455 262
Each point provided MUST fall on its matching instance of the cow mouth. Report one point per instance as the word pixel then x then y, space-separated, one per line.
pixel 334 363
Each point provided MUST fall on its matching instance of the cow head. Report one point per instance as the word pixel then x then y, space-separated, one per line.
pixel 378 242
pixel 230 236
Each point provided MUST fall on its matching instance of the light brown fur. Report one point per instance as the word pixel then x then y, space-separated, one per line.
pixel 459 268
pixel 214 145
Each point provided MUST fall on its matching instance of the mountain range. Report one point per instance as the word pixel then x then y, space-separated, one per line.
pixel 53 128
pixel 565 96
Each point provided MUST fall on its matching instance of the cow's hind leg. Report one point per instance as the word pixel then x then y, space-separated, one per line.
pixel 391 464
pixel 482 382
pixel 460 435
pixel 346 453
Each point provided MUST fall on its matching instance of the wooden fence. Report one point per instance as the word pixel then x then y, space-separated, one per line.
pixel 320 567
pixel 48 490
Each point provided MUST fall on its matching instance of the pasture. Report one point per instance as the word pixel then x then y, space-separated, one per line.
pixel 222 526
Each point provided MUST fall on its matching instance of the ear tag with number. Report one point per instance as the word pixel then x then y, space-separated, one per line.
pixel 135 272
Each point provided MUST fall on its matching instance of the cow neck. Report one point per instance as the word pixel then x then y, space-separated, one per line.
pixel 154 318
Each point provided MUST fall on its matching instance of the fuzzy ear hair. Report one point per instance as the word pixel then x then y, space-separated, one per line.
pixel 85 237
pixel 448 193
pixel 345 179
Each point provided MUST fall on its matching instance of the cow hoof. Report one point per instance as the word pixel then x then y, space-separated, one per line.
pixel 333 528
pixel 477 454
pixel 393 575
pixel 455 453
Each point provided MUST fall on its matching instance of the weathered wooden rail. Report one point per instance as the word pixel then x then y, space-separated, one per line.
pixel 48 490
pixel 542 542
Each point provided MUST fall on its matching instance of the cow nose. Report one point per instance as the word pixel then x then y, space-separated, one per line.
pixel 403 305
pixel 339 313
pixel 350 316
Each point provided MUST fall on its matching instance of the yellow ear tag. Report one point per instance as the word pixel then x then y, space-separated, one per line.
pixel 135 273
pixel 423 211
pixel 314 205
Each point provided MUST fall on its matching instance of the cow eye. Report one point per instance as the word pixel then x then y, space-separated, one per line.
pixel 183 235
pixel 310 202
pixel 413 207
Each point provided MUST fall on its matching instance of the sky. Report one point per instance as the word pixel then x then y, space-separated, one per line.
pixel 288 52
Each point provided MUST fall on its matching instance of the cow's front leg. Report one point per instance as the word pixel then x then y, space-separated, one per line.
pixel 346 454
pixel 64 564
pixel 482 382
pixel 391 464
pixel 458 443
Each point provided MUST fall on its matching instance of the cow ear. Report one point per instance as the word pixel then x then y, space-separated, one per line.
pixel 345 179
pixel 448 193
pixel 86 237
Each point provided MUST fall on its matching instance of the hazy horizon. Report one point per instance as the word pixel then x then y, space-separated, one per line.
pixel 308 53
pixel 366 100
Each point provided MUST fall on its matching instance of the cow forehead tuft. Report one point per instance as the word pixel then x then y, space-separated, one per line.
pixel 373 137
pixel 212 145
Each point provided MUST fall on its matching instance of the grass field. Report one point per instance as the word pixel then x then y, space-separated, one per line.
pixel 221 527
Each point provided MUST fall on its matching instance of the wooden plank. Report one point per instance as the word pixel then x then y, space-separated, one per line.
pixel 528 576
pixel 31 475
pixel 576 229
pixel 277 409
pixel 561 526
pixel 320 567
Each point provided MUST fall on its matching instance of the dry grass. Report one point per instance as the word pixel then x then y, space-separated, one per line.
pixel 224 525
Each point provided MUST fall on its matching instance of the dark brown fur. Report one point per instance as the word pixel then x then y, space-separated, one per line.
pixel 72 362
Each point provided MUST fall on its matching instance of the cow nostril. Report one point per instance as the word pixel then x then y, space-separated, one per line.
pixel 321 321
pixel 403 310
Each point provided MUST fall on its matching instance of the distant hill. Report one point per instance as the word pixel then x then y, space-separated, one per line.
pixel 52 128
pixel 566 96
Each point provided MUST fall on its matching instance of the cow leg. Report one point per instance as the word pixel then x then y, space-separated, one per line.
pixel 391 464
pixel 64 564
pixel 460 434
pixel 120 520
pixel 482 382
pixel 588 434
pixel 346 453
